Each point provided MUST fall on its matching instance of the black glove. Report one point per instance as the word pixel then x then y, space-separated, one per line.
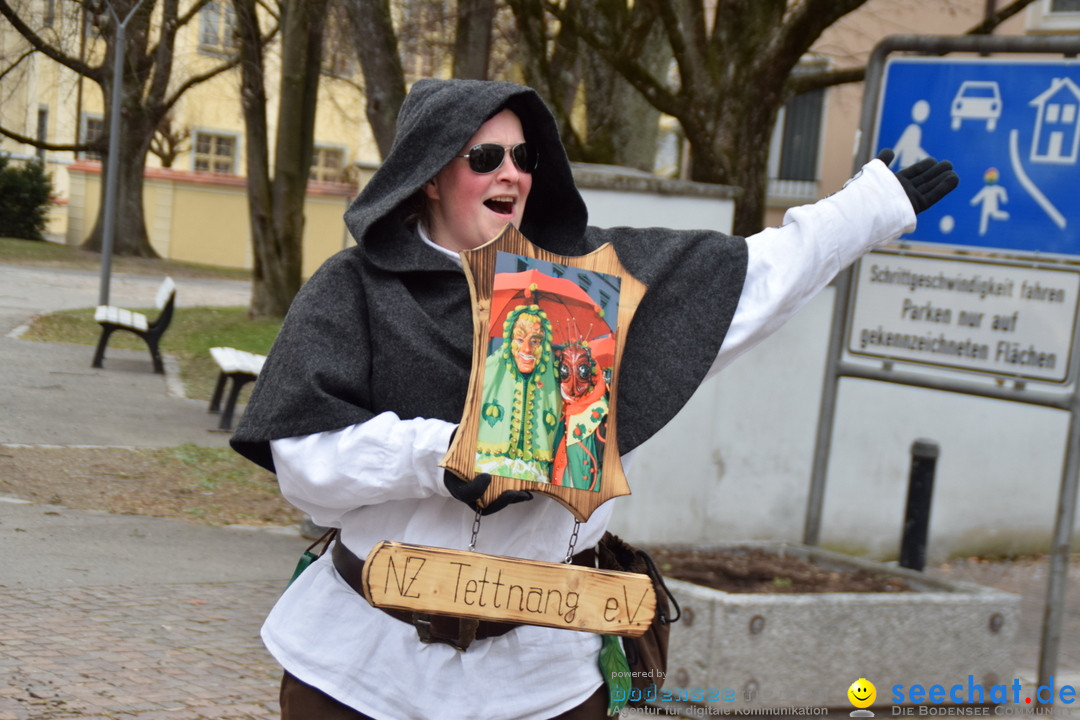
pixel 925 182
pixel 470 492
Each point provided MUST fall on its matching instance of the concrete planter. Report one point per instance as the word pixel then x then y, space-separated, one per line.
pixel 756 650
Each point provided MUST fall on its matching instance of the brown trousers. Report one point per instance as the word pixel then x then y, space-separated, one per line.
pixel 300 701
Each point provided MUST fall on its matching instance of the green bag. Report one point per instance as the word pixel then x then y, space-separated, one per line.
pixel 310 555
pixel 616 671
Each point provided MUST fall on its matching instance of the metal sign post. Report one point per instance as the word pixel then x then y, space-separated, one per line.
pixel 976 102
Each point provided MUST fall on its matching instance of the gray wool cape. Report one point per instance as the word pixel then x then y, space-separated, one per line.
pixel 386 325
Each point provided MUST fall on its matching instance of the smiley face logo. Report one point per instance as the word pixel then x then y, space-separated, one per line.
pixel 862 693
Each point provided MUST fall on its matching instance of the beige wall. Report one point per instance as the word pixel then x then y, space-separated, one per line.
pixel 203 218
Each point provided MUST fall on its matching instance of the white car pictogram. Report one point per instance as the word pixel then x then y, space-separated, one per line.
pixel 977 100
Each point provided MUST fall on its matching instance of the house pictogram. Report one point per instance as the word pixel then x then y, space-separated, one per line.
pixel 1057 129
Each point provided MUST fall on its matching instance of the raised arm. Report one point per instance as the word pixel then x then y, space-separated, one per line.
pixel 788 265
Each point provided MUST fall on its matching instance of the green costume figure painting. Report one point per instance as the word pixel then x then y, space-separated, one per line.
pixel 521 405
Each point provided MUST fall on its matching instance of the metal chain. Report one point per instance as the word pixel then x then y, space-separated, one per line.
pixel 475 532
pixel 573 542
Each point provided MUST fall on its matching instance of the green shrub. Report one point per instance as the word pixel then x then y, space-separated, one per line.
pixel 24 199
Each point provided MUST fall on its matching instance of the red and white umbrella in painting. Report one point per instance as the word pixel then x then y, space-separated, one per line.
pixel 573 314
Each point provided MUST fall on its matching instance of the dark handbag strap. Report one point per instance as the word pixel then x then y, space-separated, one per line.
pixel 659 584
pixel 326 538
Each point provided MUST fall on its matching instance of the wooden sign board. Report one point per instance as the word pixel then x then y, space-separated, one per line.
pixel 549 332
pixel 489 587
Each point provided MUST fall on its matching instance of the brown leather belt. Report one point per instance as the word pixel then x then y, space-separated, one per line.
pixel 455 631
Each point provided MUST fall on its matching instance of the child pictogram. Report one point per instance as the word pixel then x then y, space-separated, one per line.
pixel 991 197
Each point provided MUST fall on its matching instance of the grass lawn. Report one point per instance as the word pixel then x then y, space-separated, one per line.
pixel 14 251
pixel 190 336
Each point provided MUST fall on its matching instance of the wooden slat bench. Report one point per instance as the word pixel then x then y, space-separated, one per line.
pixel 113 318
pixel 239 366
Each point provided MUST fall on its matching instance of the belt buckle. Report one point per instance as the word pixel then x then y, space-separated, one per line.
pixel 454 631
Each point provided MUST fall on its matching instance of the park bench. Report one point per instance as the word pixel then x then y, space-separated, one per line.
pixel 239 366
pixel 113 318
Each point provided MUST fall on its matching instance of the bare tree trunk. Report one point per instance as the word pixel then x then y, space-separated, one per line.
pixel 276 205
pixel 139 118
pixel 384 78
pixel 472 40
pixel 253 101
pixel 740 150
pixel 130 221
pixel 622 128
pixel 552 65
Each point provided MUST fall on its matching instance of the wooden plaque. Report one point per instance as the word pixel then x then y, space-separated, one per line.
pixel 549 332
pixel 490 587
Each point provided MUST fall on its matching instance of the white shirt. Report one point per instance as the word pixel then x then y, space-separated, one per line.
pixel 380 480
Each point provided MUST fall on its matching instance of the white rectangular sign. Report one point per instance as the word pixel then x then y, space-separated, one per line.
pixel 983 316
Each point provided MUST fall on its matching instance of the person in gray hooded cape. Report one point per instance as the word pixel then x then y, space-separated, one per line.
pixel 365 385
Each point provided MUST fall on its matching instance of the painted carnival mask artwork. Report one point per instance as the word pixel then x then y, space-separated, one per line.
pixel 549 332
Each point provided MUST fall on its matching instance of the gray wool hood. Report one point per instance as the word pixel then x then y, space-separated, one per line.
pixel 436 121
pixel 386 325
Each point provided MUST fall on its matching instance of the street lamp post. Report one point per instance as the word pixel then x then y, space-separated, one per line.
pixel 109 223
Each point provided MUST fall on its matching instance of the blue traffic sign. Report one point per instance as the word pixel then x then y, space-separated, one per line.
pixel 1012 131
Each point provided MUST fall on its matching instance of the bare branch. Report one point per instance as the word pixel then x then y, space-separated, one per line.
pixel 45 48
pixel 271 9
pixel 187 17
pixel 688 54
pixel 98 145
pixel 807 82
pixel 805 25
pixel 18 61
pixel 198 80
pixel 987 26
pixel 162 54
pixel 830 78
pixel 655 92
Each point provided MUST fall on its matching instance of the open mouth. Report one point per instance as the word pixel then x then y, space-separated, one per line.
pixel 500 205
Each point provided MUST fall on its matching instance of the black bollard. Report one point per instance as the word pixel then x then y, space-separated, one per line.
pixel 924 455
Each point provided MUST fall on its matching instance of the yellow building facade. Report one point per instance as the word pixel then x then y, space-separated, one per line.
pixel 196 209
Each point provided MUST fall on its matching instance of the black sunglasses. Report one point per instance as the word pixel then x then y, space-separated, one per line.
pixel 488 157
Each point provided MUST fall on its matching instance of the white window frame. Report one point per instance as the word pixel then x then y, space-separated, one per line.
pixel 782 191
pixel 224 21
pixel 86 119
pixel 195 154
pixel 1042 18
pixel 317 171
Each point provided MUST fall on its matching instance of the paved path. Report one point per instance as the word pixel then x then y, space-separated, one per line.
pixel 119 616
pixel 56 398
pixel 169 651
